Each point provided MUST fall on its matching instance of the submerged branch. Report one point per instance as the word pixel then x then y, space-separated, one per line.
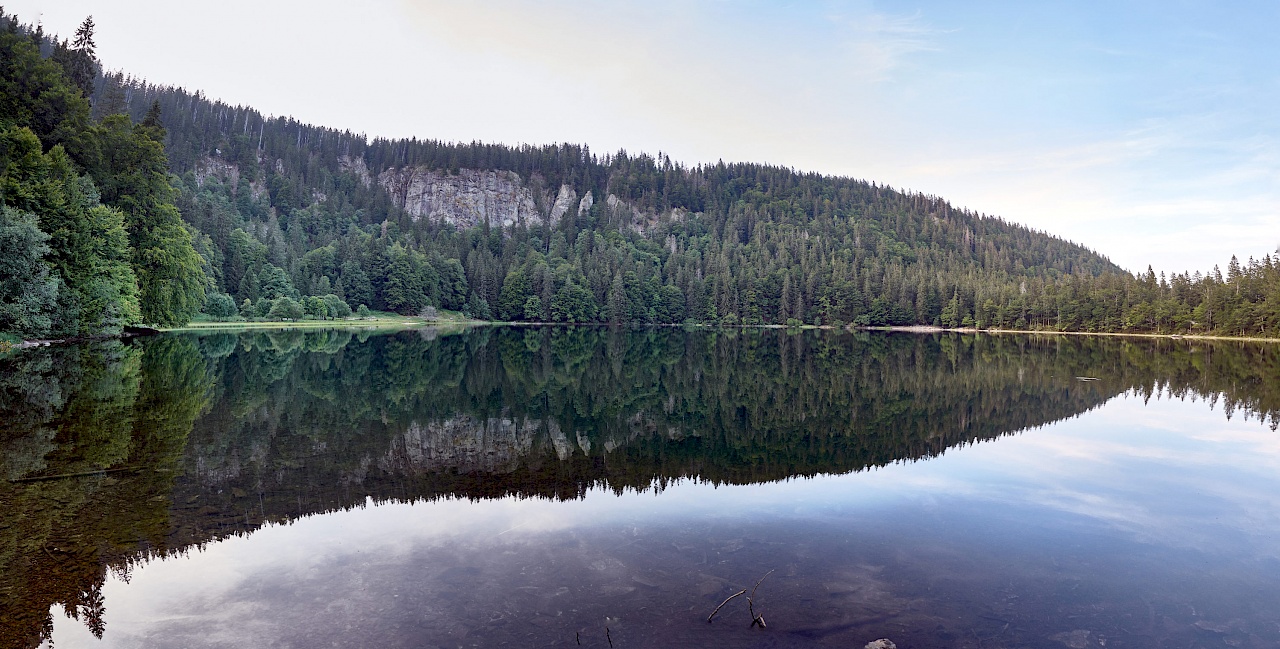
pixel 726 601
pixel 756 619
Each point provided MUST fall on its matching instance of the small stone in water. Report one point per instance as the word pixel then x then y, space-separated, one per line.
pixel 1205 625
pixel 882 643
pixel 1078 639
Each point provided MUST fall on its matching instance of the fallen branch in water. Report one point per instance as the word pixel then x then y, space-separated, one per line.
pixel 82 474
pixel 608 637
pixel 726 601
pixel 756 619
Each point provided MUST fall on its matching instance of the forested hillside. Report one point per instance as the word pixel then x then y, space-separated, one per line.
pixel 617 238
pixel 279 211
pixel 90 239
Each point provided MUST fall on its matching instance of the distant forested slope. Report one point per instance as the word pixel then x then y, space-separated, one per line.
pixel 640 239
pixel 279 210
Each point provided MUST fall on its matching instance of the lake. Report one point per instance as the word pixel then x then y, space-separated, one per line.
pixel 568 487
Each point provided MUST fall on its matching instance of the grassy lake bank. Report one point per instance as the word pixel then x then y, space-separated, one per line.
pixel 1047 332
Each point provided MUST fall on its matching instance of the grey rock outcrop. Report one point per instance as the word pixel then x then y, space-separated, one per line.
pixel 357 167
pixel 472 197
pixel 465 199
pixel 564 201
pixel 210 167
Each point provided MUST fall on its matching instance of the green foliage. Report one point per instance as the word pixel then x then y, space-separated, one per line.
pixel 477 307
pixel 362 312
pixel 402 281
pixel 573 303
pixel 286 308
pixel 515 292
pixel 276 208
pixel 34 92
pixel 336 307
pixel 101 191
pixel 220 306
pixel 273 283
pixel 28 291
pixel 315 307
pixel 88 246
pixel 764 243
pixel 131 171
pixel 532 309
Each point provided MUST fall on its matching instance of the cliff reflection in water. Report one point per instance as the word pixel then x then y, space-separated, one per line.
pixel 114 453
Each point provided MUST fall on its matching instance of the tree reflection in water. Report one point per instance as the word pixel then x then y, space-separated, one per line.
pixel 114 453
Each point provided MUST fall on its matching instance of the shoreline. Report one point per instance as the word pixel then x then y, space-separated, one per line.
pixel 319 324
pixel 130 331
pixel 922 329
pixel 386 323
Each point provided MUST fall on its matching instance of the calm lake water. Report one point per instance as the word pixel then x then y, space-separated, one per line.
pixel 588 487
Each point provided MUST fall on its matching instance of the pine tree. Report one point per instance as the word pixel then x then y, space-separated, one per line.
pixel 28 288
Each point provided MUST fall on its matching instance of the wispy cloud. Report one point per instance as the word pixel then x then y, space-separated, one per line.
pixel 877 43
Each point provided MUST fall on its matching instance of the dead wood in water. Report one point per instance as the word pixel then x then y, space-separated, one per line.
pixel 756 619
pixel 726 601
pixel 82 474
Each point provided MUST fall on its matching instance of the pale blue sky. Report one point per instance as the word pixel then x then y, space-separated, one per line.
pixel 1145 130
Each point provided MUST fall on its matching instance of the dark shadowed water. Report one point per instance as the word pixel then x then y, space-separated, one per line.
pixel 581 487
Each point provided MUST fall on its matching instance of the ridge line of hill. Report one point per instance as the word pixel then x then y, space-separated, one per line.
pixel 292 220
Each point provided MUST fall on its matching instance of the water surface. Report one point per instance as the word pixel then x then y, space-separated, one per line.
pixel 535 487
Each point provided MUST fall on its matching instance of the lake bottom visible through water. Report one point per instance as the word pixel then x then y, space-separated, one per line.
pixel 1133 525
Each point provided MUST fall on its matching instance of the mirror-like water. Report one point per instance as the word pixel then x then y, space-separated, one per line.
pixel 581 487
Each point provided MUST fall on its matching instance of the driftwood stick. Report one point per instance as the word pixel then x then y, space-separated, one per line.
pixel 608 637
pixel 756 619
pixel 726 601
pixel 750 599
pixel 577 636
pixel 41 478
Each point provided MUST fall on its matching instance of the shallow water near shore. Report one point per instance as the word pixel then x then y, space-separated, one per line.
pixel 546 487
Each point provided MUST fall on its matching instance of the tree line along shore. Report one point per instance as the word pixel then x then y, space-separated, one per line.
pixel 126 203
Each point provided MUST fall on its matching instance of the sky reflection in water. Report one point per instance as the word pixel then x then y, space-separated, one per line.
pixel 1134 524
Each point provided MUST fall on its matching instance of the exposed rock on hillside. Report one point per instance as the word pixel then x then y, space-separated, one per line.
pixel 564 201
pixel 357 167
pixel 217 168
pixel 465 199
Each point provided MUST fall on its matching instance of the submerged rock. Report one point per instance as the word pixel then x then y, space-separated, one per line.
pixel 1211 627
pixel 1078 639
pixel 882 643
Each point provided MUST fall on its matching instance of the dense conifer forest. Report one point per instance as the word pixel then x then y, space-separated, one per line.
pixel 126 202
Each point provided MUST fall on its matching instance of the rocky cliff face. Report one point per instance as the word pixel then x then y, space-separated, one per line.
pixel 468 198
pixel 211 167
pixel 465 199
pixel 564 202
